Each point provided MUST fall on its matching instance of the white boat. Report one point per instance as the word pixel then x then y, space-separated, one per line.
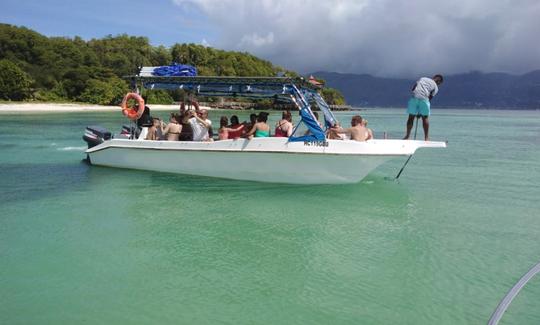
pixel 302 159
pixel 259 159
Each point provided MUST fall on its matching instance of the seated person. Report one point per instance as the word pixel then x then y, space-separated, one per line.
pixel 172 131
pixel 203 114
pixel 159 130
pixel 332 133
pixel 199 127
pixel 357 131
pixel 186 132
pixel 224 131
pixel 284 126
pixel 364 123
pixel 320 124
pixel 235 124
pixel 153 130
pixel 249 125
pixel 261 128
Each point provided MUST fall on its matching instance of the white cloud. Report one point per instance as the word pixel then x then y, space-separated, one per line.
pixel 205 43
pixel 383 37
pixel 255 40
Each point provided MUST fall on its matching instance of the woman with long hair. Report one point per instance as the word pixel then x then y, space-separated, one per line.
pixel 284 127
pixel 261 129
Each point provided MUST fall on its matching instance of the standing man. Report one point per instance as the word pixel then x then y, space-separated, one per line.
pixel 419 104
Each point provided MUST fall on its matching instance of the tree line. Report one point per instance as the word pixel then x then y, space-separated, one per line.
pixel 36 67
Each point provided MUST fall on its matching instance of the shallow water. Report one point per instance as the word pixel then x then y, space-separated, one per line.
pixel 443 245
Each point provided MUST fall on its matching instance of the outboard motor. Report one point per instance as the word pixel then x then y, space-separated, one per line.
pixel 129 132
pixel 94 135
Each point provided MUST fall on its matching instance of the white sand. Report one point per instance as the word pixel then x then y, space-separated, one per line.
pixel 53 107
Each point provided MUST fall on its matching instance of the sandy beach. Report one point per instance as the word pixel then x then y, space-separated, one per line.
pixel 62 108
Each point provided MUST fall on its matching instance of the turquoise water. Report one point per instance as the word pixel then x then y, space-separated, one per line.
pixel 81 244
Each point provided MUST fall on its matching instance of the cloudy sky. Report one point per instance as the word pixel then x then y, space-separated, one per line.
pixel 381 37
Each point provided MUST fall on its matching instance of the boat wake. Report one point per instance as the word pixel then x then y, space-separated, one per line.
pixel 82 148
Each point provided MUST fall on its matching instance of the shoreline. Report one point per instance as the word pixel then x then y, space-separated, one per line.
pixel 21 108
pixel 69 108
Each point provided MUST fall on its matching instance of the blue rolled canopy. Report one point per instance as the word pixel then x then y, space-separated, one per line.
pixel 175 70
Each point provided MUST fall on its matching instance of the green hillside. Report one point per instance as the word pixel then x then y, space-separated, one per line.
pixel 36 67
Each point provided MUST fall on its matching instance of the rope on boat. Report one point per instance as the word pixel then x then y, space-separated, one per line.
pixel 503 305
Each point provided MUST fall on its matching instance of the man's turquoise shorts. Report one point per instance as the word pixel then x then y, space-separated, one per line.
pixel 418 106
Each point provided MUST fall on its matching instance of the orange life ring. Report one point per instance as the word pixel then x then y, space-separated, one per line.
pixel 132 113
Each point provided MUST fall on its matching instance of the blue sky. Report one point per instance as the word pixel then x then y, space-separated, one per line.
pixel 162 21
pixel 381 37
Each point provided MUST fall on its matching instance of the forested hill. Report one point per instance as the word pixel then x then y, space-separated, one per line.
pixel 33 66
pixel 474 89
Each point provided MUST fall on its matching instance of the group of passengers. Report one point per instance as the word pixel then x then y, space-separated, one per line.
pixel 185 126
pixel 191 125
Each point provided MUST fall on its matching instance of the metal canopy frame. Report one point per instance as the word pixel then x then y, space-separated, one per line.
pixel 295 90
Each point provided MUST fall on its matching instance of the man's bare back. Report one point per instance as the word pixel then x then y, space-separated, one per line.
pixel 357 131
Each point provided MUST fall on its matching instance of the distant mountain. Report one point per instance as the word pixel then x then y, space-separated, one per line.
pixel 474 89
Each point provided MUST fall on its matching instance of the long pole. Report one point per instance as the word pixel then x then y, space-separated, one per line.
pixel 416 128
pixel 402 168
pixel 404 165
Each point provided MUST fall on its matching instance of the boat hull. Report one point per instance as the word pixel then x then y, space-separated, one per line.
pixel 265 160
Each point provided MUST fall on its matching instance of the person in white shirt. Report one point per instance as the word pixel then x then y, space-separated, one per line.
pixel 419 104
pixel 199 126
pixel 203 113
